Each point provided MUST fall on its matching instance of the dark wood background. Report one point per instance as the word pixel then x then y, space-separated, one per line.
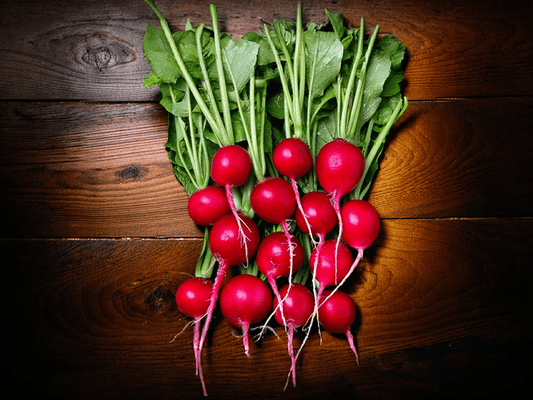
pixel 95 236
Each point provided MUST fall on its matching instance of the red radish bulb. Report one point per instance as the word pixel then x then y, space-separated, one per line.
pixel 207 205
pixel 244 300
pixel 292 158
pixel 192 298
pixel 298 306
pixel 273 201
pixel 227 247
pixel 339 168
pixel 275 259
pixel 361 228
pixel 337 315
pixel 231 167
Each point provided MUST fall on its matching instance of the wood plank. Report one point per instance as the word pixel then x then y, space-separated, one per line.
pixel 445 309
pixel 89 170
pixel 92 51
pixel 100 170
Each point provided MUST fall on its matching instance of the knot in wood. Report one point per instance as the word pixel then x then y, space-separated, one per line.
pixel 160 300
pixel 105 51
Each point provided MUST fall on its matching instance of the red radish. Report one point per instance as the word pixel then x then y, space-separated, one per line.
pixel 361 222
pixel 334 260
pixel 326 268
pixel 231 167
pixel 320 219
pixel 273 201
pixel 228 249
pixel 298 306
pixel 207 205
pixel 292 158
pixel 192 299
pixel 337 315
pixel 273 259
pixel 244 300
pixel 328 265
pixel 339 168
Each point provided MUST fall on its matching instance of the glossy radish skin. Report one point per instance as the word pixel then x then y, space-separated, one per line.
pixel 275 259
pixel 226 245
pixel 329 264
pixel 320 214
pixel 192 298
pixel 273 255
pixel 292 158
pixel 339 167
pixel 361 228
pixel 231 166
pixel 361 224
pixel 273 200
pixel 298 306
pixel 193 295
pixel 207 205
pixel 337 315
pixel 244 300
pixel 322 265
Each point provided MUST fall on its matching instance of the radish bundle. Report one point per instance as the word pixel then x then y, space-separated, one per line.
pixel 276 137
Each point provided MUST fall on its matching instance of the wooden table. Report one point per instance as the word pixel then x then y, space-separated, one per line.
pixel 95 236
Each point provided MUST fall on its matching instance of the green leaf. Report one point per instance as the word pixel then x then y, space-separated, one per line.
pixel 239 62
pixel 159 55
pixel 377 73
pixel 323 60
pixel 337 22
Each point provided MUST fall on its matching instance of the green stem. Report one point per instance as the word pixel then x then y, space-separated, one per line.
pixel 356 110
pixel 283 79
pixel 218 132
pixel 359 191
pixel 222 79
pixel 343 129
pixel 207 82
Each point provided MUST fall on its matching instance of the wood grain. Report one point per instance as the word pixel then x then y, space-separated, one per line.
pixel 442 309
pixel 94 170
pixel 85 51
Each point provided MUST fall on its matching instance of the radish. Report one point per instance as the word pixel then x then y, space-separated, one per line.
pixel 231 167
pixel 320 215
pixel 273 200
pixel 339 168
pixel 330 264
pixel 337 315
pixel 227 247
pixel 292 158
pixel 244 300
pixel 192 299
pixel 274 260
pixel 207 205
pixel 361 222
pixel 298 305
pixel 333 261
pixel 326 264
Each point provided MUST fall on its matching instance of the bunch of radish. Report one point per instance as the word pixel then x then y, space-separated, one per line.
pixel 276 138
